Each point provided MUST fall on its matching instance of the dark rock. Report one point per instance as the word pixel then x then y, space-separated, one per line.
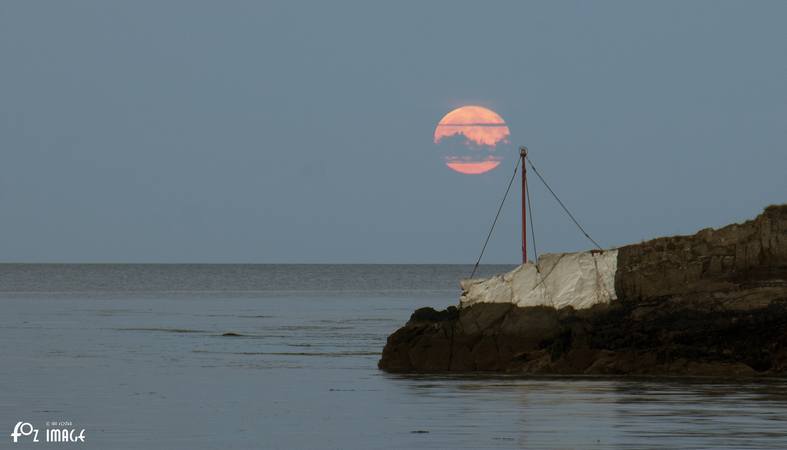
pixel 714 304
pixel 428 314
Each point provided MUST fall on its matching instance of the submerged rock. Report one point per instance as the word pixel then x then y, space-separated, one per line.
pixel 714 303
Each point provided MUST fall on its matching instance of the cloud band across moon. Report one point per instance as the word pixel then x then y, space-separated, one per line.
pixel 479 130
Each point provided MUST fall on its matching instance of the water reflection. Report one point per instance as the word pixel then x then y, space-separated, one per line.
pixel 579 412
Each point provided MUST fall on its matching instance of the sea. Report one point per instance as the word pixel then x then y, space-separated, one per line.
pixel 182 356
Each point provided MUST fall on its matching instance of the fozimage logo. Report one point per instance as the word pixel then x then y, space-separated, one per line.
pixel 56 431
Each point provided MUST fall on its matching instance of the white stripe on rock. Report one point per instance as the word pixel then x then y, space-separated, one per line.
pixel 580 280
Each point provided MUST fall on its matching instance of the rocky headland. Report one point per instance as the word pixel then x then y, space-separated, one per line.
pixel 710 304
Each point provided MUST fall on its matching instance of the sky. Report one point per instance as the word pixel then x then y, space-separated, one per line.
pixel 301 132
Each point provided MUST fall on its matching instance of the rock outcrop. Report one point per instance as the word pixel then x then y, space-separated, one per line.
pixel 714 303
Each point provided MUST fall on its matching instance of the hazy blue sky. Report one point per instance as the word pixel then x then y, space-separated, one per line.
pixel 192 131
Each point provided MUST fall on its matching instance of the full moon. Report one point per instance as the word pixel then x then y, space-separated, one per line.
pixel 467 138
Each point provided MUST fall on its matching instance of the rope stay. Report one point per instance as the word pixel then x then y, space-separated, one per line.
pixel 532 224
pixel 494 222
pixel 571 216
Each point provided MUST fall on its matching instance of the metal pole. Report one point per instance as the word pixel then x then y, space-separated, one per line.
pixel 523 155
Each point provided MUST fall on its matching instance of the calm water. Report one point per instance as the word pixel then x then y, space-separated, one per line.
pixel 135 355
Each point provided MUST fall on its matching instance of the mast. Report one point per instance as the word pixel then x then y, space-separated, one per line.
pixel 523 155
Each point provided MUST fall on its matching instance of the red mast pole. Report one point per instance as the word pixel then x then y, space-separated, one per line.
pixel 523 155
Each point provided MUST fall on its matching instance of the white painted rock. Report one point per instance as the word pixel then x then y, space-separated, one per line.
pixel 579 279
